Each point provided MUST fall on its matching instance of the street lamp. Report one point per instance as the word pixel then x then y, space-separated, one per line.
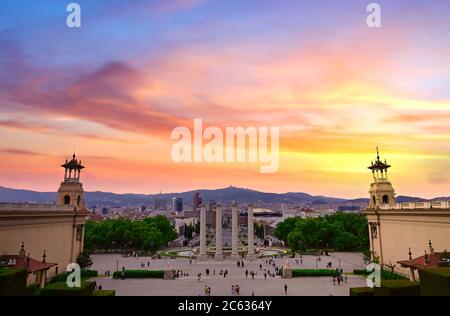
pixel 151 244
pixel 300 243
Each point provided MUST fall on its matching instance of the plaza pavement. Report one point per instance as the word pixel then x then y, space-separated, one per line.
pixel 220 286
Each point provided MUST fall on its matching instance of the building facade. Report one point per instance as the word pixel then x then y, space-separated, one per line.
pixel 401 230
pixel 55 231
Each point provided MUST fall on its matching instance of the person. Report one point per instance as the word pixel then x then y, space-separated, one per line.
pixel 345 278
pixel 206 290
pixel 199 276
pixel 246 274
pixel 209 291
pixel 285 289
pixel 260 266
pixel 301 261
pixel 233 291
pixel 339 280
pixel 100 287
pixel 237 289
pixel 334 280
pixel 207 272
pixel 265 276
pixel 253 293
pixel 190 261
pixel 239 264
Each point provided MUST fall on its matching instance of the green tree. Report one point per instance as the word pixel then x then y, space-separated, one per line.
pixel 84 260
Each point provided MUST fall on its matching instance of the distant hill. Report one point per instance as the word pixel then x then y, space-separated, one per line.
pixel 224 195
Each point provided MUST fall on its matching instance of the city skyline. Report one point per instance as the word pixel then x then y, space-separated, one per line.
pixel 113 90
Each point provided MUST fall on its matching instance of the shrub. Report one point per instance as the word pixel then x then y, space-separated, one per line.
pixel 104 293
pixel 33 289
pixel 397 288
pixel 361 291
pixel 361 272
pixel 313 272
pixel 13 282
pixel 84 274
pixel 140 274
pixel 61 289
pixel 385 275
pixel 435 281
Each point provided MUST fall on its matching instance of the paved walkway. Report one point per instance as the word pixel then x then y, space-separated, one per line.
pixel 190 286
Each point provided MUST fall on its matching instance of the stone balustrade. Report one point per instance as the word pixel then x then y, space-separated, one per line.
pixel 30 207
pixel 418 205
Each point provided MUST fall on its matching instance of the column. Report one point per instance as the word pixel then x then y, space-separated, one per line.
pixel 42 278
pixel 219 241
pixel 251 231
pixel 234 232
pixel 203 255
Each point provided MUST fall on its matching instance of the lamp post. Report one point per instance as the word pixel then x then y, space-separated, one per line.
pixel 300 243
pixel 151 244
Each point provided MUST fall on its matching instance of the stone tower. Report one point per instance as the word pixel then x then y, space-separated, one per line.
pixel 71 190
pixel 381 191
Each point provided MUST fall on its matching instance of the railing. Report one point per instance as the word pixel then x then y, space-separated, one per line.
pixel 29 207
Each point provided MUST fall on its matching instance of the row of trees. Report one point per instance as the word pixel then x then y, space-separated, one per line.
pixel 341 231
pixel 149 234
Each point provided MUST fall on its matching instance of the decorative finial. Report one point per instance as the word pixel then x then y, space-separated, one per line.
pixel 429 244
pixel 43 257
pixel 410 254
pixel 378 154
pixel 426 257
pixel 28 260
pixel 22 250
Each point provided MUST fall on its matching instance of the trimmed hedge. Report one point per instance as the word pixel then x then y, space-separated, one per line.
pixel 397 288
pixel 33 289
pixel 61 289
pixel 385 275
pixel 140 274
pixel 84 274
pixel 313 272
pixel 435 281
pixel 13 282
pixel 104 293
pixel 361 291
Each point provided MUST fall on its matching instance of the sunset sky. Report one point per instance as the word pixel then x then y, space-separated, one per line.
pixel 115 88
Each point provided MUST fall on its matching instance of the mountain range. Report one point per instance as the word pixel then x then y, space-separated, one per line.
pixel 225 195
